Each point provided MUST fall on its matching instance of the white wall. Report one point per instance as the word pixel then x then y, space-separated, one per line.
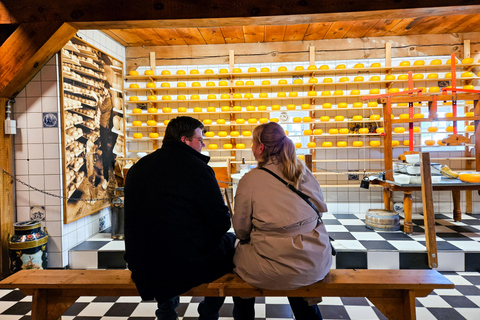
pixel 38 157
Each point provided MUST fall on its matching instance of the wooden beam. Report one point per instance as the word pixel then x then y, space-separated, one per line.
pixel 209 13
pixel 25 52
pixel 7 187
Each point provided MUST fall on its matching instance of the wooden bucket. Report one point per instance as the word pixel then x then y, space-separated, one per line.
pixel 382 220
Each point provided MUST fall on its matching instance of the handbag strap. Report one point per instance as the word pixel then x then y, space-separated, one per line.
pixel 291 187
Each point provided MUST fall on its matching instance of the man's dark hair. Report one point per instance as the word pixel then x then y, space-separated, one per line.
pixel 181 126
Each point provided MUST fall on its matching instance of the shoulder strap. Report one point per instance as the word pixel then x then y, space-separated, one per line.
pixel 291 187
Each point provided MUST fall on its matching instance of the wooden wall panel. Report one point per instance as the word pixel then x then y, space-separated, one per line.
pixel 317 31
pixel 360 28
pixel 338 29
pixel 254 34
pixel 382 27
pixel 7 204
pixel 171 37
pixel 233 34
pixel 400 28
pixel 274 33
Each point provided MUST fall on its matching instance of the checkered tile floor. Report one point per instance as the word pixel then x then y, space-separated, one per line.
pixel 463 302
pixel 358 247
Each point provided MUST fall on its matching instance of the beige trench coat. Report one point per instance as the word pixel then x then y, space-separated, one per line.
pixel 289 247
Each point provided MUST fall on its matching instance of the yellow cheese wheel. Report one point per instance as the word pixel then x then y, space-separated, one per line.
pixel 436 62
pixel 291 106
pixel 327 80
pixel 298 145
pixel 211 109
pixel 153 135
pixel 373 104
pixel 211 96
pixel 137 110
pixel 251 83
pixel 149 73
pixel 252 120
pixel 333 131
pixel 222 133
pixel 467 74
pixel 282 68
pixel 419 63
pixel 154 97
pixel 207 121
pixel 312 93
pixel 341 66
pixel 133 73
pixel 274 120
pixel 416 129
pixel 324 118
pixel 235 108
pixel 212 146
pixel 263 95
pixel 163 85
pixel 467 60
pixel 227 146
pixel 374 143
pixel 472 177
pixel 209 134
pixel 399 129
pixel 197 109
pixel 293 94
pixel 343 131
pixel 432 76
pixel 448 75
pixel 240 121
pixel 250 108
pixel 133 98
pixel 237 70
pixel 363 130
pixel 247 133
pixel 166 72
pixel 265 69
pixel 418 116
pixel 299 68
pixel 357 143
pixel 404 63
pixel 402 77
pixel 357 118
pixel 404 116
pixel 418 76
pixel 355 92
pixel 406 142
pixel 234 133
pixel 327 105
pixel 165 122
pixel 343 79
pixel 166 110
pixel 151 123
pixel 134 86
pixel 393 90
pixel 307 119
pixel 297 119
pixel 220 121
pixel 375 78
pixel 225 108
pixel 389 77
pixel 359 65
pixel 313 80
pixel 137 135
pixel 440 142
pixel 281 95
pixel 239 83
pixel 341 143
pixel 375 65
pixel 342 105
pixel 152 110
pixel 263 120
pixel 317 131
pixel 380 130
pixel 136 123
pixel 339 118
pixel 240 146
pixel 305 106
pixel 429 142
pixel 194 97
pixel 182 109
pixel 449 129
pixel 326 144
pixel 469 87
pixel 252 69
pixel 311 144
pixel 395 143
pixel 275 107
pixel 237 96
pixel 262 108
pixel 374 91
pixel 357 105
pixel 181 97
pixel 223 83
pixel 358 78
pixel 312 67
pixel 470 128
pixel 307 132
pixel 375 117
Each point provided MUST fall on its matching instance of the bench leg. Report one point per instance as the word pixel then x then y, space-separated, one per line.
pixel 49 305
pixel 401 308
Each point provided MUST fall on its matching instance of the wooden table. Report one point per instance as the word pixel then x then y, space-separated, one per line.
pixel 453 185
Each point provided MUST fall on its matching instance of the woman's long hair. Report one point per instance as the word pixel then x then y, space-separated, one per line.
pixel 280 150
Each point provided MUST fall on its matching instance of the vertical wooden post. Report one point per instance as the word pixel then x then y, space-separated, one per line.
pixel 7 186
pixel 388 54
pixel 153 66
pixel 428 211
pixel 466 48
pixel 233 141
pixel 312 56
pixel 308 161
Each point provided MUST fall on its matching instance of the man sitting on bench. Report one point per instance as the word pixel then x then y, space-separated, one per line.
pixel 176 222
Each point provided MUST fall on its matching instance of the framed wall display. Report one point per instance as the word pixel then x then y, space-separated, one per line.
pixel 92 123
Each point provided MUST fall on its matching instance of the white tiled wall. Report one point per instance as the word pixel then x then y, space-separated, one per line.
pixel 38 157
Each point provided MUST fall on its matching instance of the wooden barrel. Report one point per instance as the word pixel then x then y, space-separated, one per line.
pixel 382 220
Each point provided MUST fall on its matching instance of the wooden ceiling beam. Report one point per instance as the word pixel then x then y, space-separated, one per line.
pixel 25 52
pixel 121 14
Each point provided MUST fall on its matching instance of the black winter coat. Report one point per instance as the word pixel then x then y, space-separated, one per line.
pixel 176 223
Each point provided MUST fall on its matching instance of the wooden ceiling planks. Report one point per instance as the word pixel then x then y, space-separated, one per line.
pixel 382 27
pixel 360 28
pixel 192 36
pixel 400 28
pixel 274 33
pixel 295 32
pixel 470 25
pixel 212 35
pixel 233 34
pixel 171 37
pixel 317 31
pixel 254 34
pixel 338 29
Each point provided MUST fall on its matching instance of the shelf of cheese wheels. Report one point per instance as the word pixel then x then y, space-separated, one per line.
pixel 315 91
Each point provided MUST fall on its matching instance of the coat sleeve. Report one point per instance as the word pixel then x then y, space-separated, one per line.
pixel 311 184
pixel 211 204
pixel 242 218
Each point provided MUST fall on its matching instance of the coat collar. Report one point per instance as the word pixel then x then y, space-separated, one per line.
pixel 174 145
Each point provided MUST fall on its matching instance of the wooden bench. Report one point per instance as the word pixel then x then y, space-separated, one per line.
pixel 393 292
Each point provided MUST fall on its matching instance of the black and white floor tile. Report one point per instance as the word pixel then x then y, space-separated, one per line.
pixel 460 303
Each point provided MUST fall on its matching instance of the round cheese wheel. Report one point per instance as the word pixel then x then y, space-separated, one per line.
pixel 137 135
pixel 136 123
pixel 399 129
pixel 363 130
pixel 324 118
pixel 374 143
pixel 317 131
pixel 298 145
pixel 343 131
pixel 153 135
pixel 473 177
pixel 326 144
pixel 227 146
pixel 341 143
pixel 429 142
pixel 395 143
pixel 207 121
pixel 222 133
pixel 357 143
pixel 333 131
pixel 212 146
pixel 305 106
pixel 311 144
pixel 307 132
pixel 209 134
pixel 234 133
pixel 339 118
pixel 240 146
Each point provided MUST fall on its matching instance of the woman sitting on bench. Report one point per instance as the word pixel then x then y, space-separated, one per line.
pixel 284 244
